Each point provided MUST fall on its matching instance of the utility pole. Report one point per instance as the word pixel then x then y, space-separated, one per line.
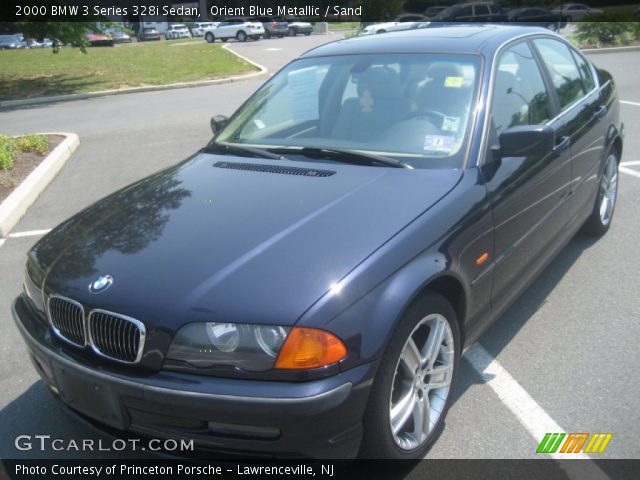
pixel 204 11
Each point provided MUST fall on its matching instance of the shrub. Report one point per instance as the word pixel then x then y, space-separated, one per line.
pixel 32 143
pixel 11 147
pixel 608 29
pixel 8 152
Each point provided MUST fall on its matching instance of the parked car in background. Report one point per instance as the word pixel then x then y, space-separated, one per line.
pixel 538 17
pixel 472 12
pixel 375 210
pixel 177 30
pixel 433 11
pixel 120 37
pixel 574 12
pixel 238 28
pixel 11 42
pixel 297 27
pixel 99 39
pixel 411 17
pixel 199 28
pixel 148 33
pixel 386 27
pixel 273 27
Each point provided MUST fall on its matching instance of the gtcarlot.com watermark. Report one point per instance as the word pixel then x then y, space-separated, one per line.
pixel 43 443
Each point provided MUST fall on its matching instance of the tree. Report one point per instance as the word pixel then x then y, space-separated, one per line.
pixel 380 10
pixel 72 33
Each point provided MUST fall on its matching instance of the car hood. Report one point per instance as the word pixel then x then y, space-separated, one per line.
pixel 224 239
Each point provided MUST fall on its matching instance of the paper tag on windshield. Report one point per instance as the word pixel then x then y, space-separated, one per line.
pixel 304 93
pixel 450 124
pixel 453 82
pixel 439 143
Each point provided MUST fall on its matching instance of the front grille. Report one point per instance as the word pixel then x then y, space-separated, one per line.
pixel 67 320
pixel 115 336
pixel 305 172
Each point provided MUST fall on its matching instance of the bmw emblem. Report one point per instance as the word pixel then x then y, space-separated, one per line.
pixel 101 283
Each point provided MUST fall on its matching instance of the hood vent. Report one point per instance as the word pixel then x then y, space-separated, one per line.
pixel 253 167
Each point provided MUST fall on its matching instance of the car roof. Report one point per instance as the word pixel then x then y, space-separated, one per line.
pixel 442 39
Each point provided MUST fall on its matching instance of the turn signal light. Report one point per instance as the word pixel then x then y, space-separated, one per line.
pixel 310 348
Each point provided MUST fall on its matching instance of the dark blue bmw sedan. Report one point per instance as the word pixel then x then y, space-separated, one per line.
pixel 306 283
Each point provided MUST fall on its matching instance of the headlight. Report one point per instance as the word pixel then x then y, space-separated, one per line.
pixel 250 347
pixel 255 348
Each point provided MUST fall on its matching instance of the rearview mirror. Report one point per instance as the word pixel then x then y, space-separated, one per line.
pixel 218 122
pixel 527 141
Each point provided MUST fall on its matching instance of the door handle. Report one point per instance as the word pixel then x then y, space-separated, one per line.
pixel 600 112
pixel 562 144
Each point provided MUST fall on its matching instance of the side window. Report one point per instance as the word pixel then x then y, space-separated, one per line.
pixel 585 71
pixel 563 70
pixel 481 10
pixel 465 12
pixel 519 94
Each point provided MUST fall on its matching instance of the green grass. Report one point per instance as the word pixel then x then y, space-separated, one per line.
pixel 344 25
pixel 34 73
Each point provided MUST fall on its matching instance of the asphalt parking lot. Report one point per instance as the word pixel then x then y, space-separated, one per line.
pixel 564 355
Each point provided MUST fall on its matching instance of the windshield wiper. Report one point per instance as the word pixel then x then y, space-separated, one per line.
pixel 347 156
pixel 242 150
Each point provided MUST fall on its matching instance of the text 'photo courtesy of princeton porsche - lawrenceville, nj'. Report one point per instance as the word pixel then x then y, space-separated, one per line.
pixel 392 239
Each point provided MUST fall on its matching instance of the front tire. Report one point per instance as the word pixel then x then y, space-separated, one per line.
pixel 292 32
pixel 210 38
pixel 601 216
pixel 411 392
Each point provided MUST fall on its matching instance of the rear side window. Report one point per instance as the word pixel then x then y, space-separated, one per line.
pixel 519 95
pixel 585 72
pixel 563 70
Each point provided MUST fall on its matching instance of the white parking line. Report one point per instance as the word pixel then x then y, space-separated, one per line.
pixel 515 398
pixel 626 102
pixel 30 233
pixel 629 171
pixel 2 240
pixel 531 415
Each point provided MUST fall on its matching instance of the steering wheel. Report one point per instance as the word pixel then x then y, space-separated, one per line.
pixel 426 112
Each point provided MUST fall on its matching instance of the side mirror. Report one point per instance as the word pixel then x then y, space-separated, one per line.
pixel 527 141
pixel 218 122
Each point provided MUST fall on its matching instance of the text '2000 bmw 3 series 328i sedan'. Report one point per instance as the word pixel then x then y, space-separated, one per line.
pixel 326 258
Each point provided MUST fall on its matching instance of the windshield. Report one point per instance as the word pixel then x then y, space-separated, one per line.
pixel 412 107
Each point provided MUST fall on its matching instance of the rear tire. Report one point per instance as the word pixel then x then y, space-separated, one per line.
pixel 267 34
pixel 601 216
pixel 210 38
pixel 399 421
pixel 292 32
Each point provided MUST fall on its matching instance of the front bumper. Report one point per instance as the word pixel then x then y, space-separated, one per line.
pixel 320 419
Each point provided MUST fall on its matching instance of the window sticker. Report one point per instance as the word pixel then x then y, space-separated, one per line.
pixel 450 124
pixel 304 93
pixel 453 82
pixel 439 143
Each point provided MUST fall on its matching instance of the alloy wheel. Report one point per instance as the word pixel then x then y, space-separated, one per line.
pixel 608 190
pixel 422 381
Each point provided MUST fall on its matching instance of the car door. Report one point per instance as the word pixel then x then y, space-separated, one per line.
pixel 581 105
pixel 528 194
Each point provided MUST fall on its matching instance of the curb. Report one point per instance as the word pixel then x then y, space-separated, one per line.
pixel 16 204
pixel 599 51
pixel 263 71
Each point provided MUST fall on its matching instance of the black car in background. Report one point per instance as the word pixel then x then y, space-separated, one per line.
pixel 483 12
pixel 538 17
pixel 273 27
